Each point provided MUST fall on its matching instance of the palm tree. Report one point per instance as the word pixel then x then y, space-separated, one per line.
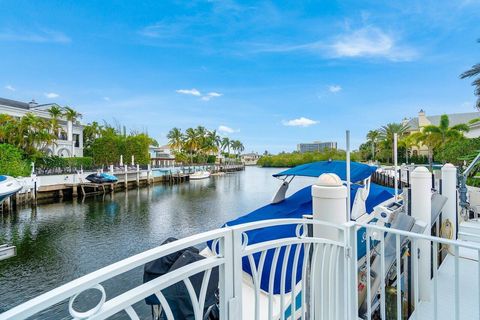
pixel 474 72
pixel 225 144
pixel 213 141
pixel 408 142
pixel 55 112
pixel 372 137
pixel 435 137
pixel 388 131
pixel 191 142
pixel 71 114
pixel 175 139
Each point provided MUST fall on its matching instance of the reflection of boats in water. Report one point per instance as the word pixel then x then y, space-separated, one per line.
pixel 199 175
pixel 8 187
pixel 101 178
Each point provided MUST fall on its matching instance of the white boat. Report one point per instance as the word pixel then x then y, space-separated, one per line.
pixel 200 175
pixel 8 187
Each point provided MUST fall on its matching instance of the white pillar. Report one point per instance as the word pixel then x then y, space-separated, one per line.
pixel 329 200
pixel 422 210
pixel 449 190
pixel 121 160
pixel 111 168
pixel 133 160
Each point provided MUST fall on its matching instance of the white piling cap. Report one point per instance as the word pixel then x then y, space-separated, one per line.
pixel 329 180
pixel 449 167
pixel 421 172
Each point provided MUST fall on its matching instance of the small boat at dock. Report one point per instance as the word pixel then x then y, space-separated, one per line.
pixel 101 178
pixel 199 175
pixel 8 187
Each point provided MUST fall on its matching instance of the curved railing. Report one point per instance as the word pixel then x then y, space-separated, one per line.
pixel 321 258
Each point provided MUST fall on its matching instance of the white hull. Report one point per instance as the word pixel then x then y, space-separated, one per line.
pixel 8 187
pixel 200 175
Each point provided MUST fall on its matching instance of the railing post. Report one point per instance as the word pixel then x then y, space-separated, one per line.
pixel 351 269
pixel 226 276
pixel 449 189
pixel 235 303
pixel 422 211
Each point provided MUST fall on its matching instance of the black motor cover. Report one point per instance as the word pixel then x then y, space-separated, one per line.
pixel 177 294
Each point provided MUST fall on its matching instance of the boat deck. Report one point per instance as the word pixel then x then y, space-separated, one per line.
pixel 469 290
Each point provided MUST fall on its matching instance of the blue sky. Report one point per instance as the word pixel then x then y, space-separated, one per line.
pixel 271 74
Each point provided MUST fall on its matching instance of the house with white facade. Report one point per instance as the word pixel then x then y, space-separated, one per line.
pixel 70 138
pixel 161 156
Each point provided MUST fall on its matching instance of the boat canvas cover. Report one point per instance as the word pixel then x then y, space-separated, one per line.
pixel 294 207
pixel 358 171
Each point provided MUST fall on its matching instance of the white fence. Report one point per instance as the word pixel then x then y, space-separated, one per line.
pixel 424 275
pixel 304 276
pixel 229 246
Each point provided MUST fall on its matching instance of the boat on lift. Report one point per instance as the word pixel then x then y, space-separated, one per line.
pixel 101 178
pixel 199 175
pixel 8 187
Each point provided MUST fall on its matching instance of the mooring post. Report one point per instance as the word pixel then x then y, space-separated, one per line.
pixel 138 175
pixel 422 211
pixel 125 180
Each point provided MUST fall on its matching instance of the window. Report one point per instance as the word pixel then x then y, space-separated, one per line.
pixel 76 140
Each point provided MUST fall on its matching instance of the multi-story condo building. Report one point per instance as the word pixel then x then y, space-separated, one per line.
pixel 70 138
pixel 316 146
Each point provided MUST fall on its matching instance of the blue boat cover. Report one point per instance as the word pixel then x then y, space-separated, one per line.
pixel 358 171
pixel 295 206
pixel 3 178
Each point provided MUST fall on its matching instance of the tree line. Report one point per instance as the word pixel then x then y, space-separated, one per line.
pixel 200 145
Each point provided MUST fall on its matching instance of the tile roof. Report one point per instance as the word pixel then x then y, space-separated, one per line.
pixel 455 118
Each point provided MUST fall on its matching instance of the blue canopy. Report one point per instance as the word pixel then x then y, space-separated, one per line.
pixel 295 206
pixel 358 171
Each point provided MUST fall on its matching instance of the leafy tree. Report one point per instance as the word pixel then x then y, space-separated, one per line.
pixel 12 161
pixel 387 133
pixel 175 139
pixel 373 136
pixel 436 137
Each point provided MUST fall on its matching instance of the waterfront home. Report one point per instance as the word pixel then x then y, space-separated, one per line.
pixel 250 159
pixel 161 156
pixel 70 137
pixel 416 124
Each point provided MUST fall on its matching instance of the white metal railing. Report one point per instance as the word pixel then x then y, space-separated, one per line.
pixel 377 238
pixel 312 259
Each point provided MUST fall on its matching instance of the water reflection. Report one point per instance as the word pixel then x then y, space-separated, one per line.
pixel 59 242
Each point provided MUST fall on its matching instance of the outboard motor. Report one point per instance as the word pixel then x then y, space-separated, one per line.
pixel 177 294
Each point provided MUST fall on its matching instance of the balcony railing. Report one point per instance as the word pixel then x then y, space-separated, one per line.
pixel 298 277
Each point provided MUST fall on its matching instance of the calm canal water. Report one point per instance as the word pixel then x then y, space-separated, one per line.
pixel 59 242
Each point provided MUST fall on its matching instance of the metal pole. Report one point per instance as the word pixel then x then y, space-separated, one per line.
pixel 395 160
pixel 348 174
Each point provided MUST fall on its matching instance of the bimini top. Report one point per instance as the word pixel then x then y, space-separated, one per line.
pixel 358 171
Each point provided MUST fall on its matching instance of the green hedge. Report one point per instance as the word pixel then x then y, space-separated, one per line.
pixel 52 164
pixel 12 162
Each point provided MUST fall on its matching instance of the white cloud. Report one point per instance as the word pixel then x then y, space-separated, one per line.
pixel 211 95
pixel 225 129
pixel 370 42
pixel 52 95
pixel 300 122
pixel 40 36
pixel 366 42
pixel 10 88
pixel 334 88
pixel 192 92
